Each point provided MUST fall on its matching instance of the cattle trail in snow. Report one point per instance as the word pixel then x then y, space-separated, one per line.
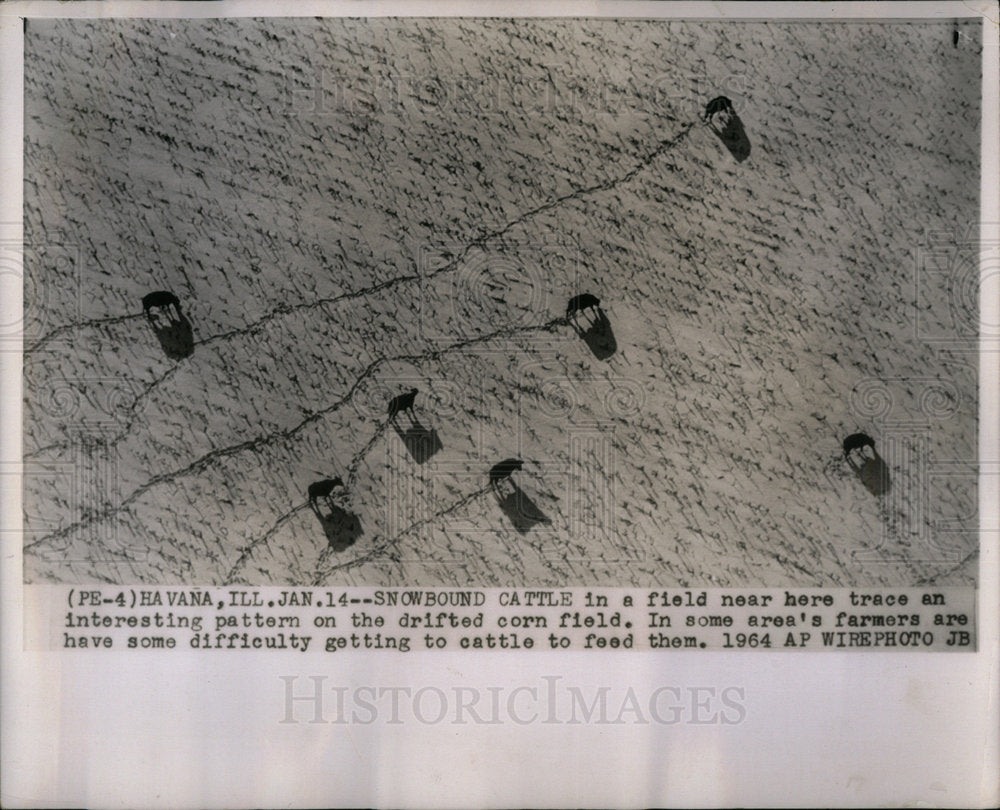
pixel 778 264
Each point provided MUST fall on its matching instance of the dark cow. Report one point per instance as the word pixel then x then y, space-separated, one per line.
pixel 581 302
pixel 172 329
pixel 502 471
pixel 857 441
pixel 322 489
pixel 160 298
pixel 718 105
pixel 404 402
pixel 870 469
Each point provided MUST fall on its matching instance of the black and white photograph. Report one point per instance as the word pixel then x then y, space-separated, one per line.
pixel 410 404
pixel 501 302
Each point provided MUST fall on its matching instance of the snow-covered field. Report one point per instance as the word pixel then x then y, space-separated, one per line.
pixel 348 209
